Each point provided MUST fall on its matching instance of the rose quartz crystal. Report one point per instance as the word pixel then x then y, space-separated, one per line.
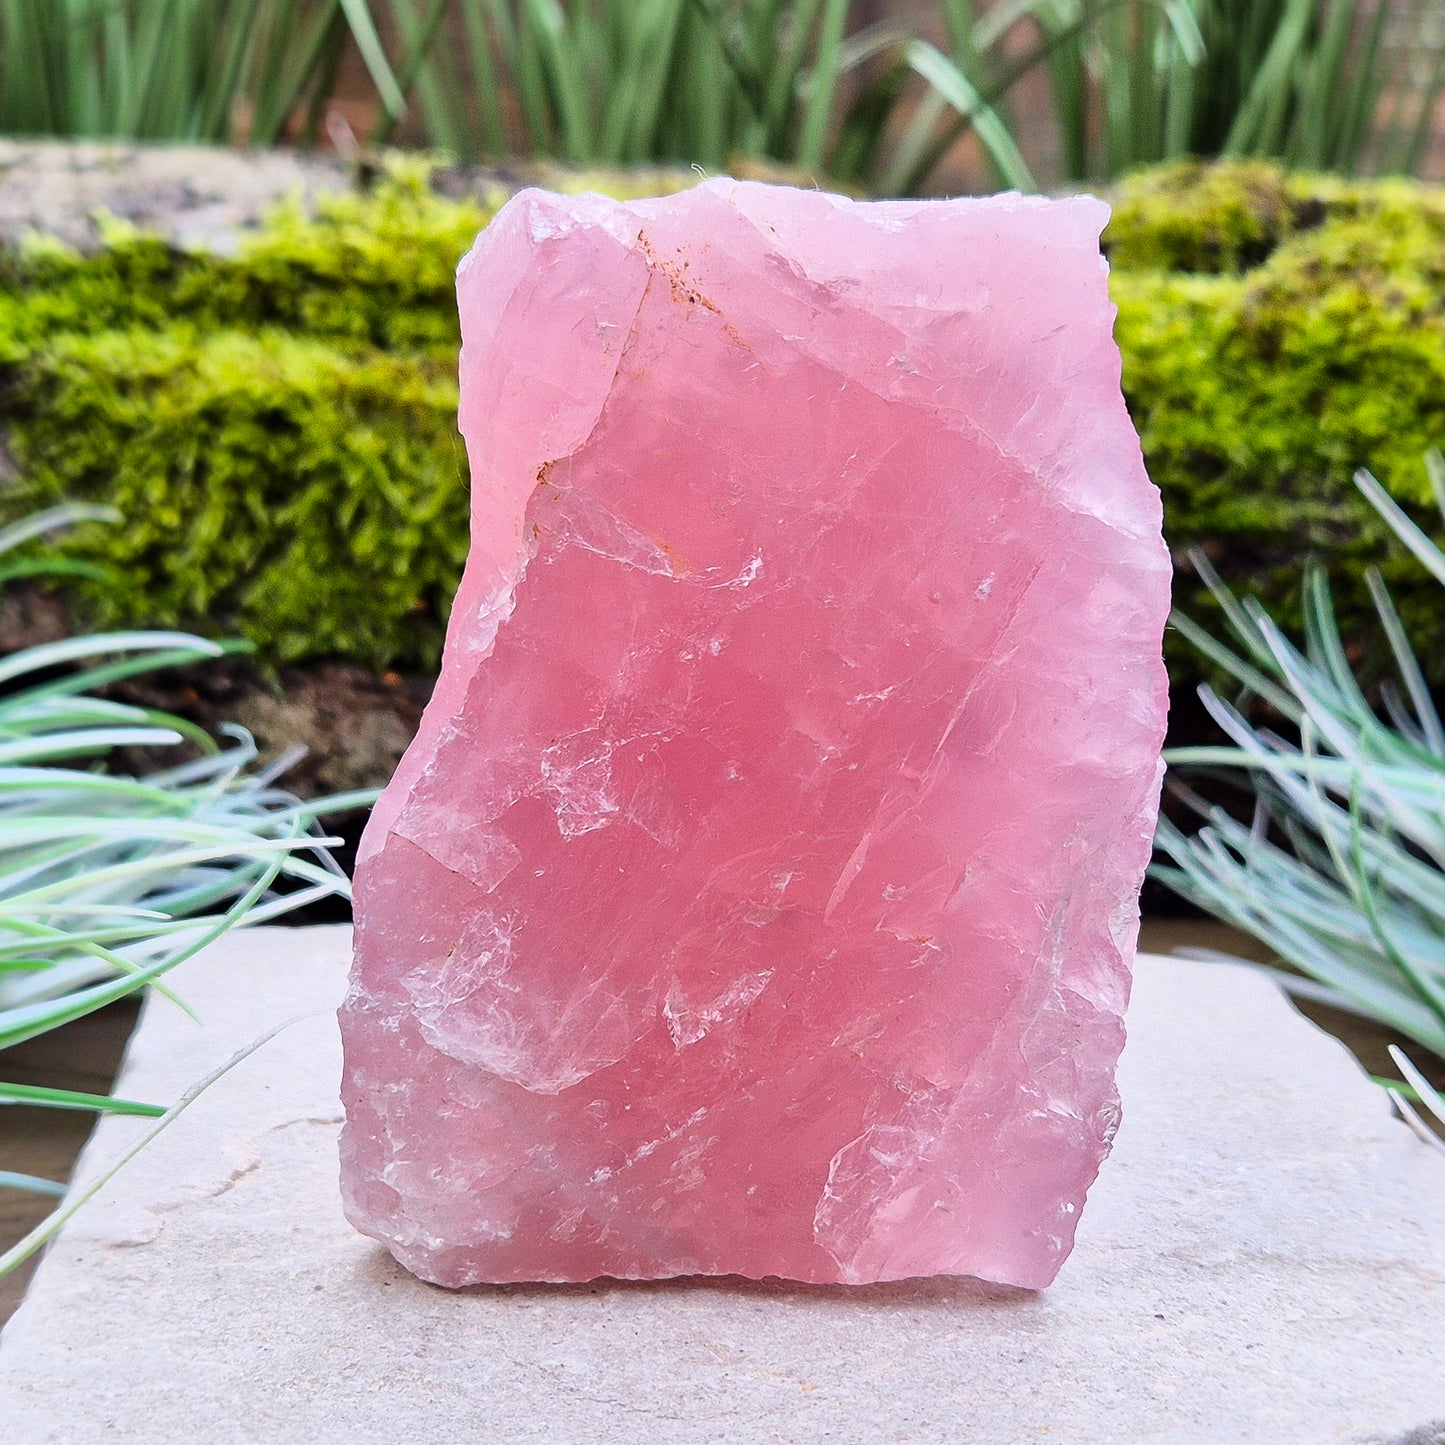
pixel 760 892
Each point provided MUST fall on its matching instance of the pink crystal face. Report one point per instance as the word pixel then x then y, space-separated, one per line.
pixel 760 892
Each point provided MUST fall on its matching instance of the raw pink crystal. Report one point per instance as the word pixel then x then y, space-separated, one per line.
pixel 760 892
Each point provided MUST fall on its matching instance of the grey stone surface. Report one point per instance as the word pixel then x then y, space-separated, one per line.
pixel 193 195
pixel 1262 1260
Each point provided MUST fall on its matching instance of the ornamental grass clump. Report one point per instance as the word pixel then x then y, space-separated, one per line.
pixel 109 880
pixel 1341 870
pixel 858 93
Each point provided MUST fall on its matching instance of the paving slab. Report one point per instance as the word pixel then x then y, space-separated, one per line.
pixel 1262 1260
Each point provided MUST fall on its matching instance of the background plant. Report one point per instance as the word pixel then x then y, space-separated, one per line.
pixel 1319 84
pixel 1333 84
pixel 192 70
pixel 631 81
pixel 108 880
pixel 1341 871
pixel 598 81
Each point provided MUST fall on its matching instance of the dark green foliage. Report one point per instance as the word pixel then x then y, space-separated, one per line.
pixel 277 427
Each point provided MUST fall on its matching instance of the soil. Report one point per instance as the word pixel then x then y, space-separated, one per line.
pixel 344 727
pixel 347 727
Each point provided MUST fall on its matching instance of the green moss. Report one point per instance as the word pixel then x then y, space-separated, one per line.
pixel 1193 216
pixel 312 500
pixel 1227 217
pixel 378 269
pixel 1259 394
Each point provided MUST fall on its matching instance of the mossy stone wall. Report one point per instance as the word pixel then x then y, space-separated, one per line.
pixel 277 426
